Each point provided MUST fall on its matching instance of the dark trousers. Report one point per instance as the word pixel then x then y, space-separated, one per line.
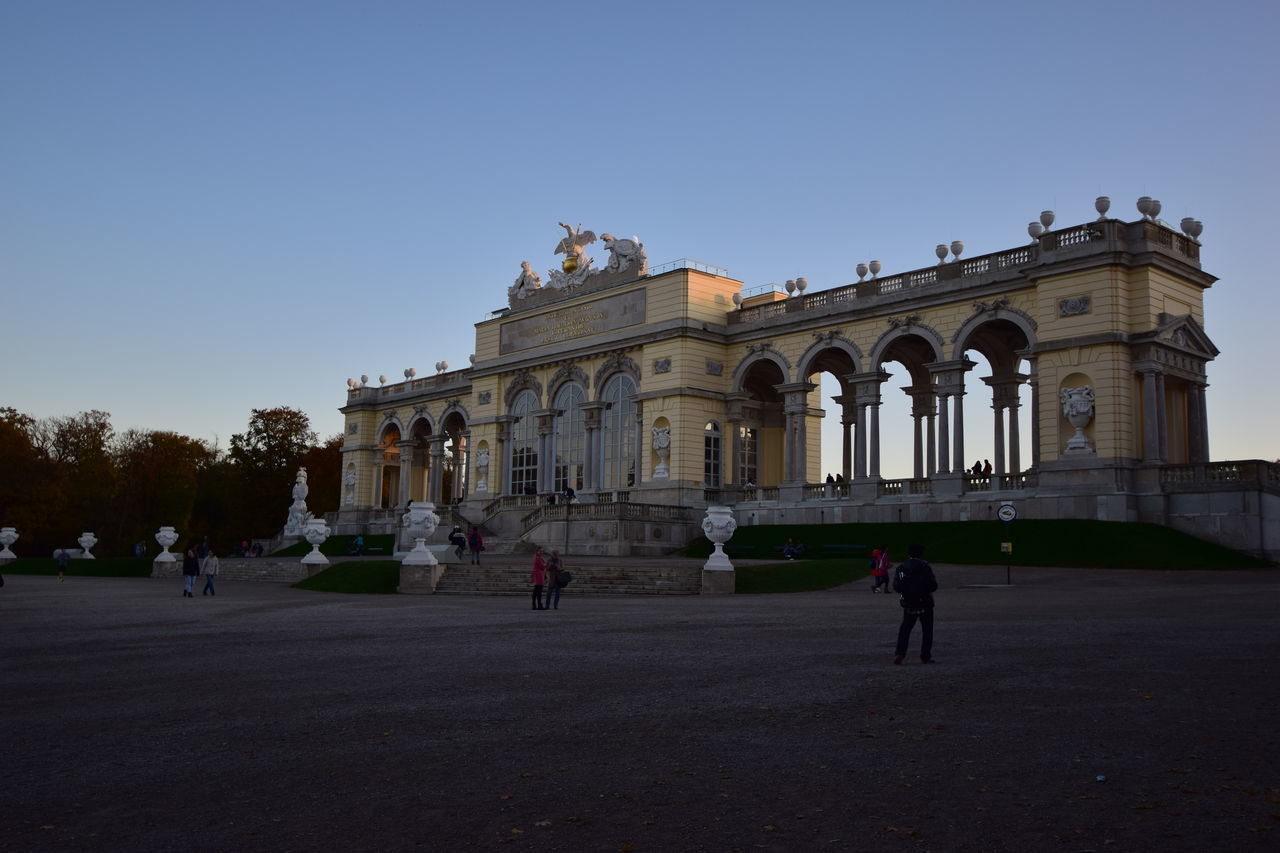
pixel 537 596
pixel 926 629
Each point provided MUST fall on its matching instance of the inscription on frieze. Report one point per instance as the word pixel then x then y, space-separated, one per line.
pixel 579 321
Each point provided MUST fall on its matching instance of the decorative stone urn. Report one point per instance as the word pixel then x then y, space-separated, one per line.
pixel 662 447
pixel 717 573
pixel 87 540
pixel 315 532
pixel 718 525
pixel 420 520
pixel 1077 408
pixel 422 516
pixel 8 535
pixel 420 555
pixel 167 537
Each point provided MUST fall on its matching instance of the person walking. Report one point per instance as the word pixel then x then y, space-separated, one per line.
pixel 880 569
pixel 190 571
pixel 539 578
pixel 209 567
pixel 63 559
pixel 476 543
pixel 916 584
pixel 554 565
pixel 458 541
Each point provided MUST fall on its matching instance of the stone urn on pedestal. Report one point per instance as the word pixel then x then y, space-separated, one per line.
pixel 87 540
pixel 167 537
pixel 482 471
pixel 316 531
pixel 420 521
pixel 1077 408
pixel 717 572
pixel 8 535
pixel 662 447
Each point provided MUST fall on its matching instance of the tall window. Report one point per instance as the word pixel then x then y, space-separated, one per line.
pixel 747 456
pixel 524 444
pixel 711 455
pixel 619 439
pixel 570 437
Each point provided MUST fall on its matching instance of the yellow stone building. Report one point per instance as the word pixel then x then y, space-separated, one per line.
pixel 654 393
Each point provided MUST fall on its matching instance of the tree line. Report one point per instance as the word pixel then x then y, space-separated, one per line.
pixel 61 476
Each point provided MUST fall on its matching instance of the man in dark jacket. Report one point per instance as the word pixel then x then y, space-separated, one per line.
pixel 915 583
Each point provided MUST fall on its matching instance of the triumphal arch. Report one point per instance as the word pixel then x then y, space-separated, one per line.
pixel 651 392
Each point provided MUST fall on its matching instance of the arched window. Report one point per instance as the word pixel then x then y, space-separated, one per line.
pixel 619 422
pixel 524 444
pixel 711 455
pixel 570 437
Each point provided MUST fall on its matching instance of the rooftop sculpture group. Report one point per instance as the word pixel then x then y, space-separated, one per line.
pixel 625 255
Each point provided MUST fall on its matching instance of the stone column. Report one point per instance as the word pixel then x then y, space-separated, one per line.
pixel 1201 437
pixel 1015 453
pixel 1162 413
pixel 931 441
pixel 860 442
pixel 436 480
pixel 591 413
pixel 944 433
pixel 500 459
pixel 958 465
pixel 999 440
pixel 1033 379
pixel 921 409
pixel 875 439
pixel 642 443
pixel 463 480
pixel 848 419
pixel 795 396
pixel 1150 417
pixel 546 450
pixel 404 492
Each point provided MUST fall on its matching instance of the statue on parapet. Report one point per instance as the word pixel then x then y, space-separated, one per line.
pixel 527 282
pixel 624 253
pixel 573 247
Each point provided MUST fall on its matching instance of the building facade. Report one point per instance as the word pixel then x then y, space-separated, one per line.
pixel 653 393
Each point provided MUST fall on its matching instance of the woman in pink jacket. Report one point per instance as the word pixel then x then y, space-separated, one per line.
pixel 539 578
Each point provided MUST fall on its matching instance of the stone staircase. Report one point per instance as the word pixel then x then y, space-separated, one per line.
pixel 623 577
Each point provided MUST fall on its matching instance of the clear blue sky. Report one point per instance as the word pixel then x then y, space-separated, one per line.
pixel 209 207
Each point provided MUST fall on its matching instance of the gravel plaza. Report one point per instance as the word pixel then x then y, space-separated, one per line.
pixel 1077 710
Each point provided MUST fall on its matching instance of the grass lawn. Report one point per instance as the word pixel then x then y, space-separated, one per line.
pixel 102 567
pixel 336 546
pixel 797 576
pixel 1036 542
pixel 372 576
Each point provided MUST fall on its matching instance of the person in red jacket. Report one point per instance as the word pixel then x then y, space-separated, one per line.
pixel 539 578
pixel 476 543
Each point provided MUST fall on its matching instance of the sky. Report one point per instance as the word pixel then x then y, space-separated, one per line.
pixel 212 207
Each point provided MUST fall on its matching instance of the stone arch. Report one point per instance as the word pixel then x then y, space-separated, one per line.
pixel 566 374
pixel 822 349
pixel 926 334
pixel 755 355
pixel 615 363
pixel 392 422
pixel 416 424
pixel 984 314
pixel 452 411
pixel 522 381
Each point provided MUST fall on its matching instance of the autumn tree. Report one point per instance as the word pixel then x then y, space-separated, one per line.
pixel 267 456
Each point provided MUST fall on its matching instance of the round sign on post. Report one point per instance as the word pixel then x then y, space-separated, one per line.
pixel 1006 512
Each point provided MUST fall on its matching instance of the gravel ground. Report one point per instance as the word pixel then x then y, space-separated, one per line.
pixel 1077 710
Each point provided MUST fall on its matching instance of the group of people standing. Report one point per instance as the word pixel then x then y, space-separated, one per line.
pixel 199 561
pixel 549 578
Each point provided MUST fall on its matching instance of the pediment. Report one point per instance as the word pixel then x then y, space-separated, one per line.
pixel 1182 332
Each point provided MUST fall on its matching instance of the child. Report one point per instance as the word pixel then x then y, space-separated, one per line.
pixel 880 569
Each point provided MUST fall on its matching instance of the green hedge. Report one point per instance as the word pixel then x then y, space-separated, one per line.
pixel 1036 542
pixel 103 567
